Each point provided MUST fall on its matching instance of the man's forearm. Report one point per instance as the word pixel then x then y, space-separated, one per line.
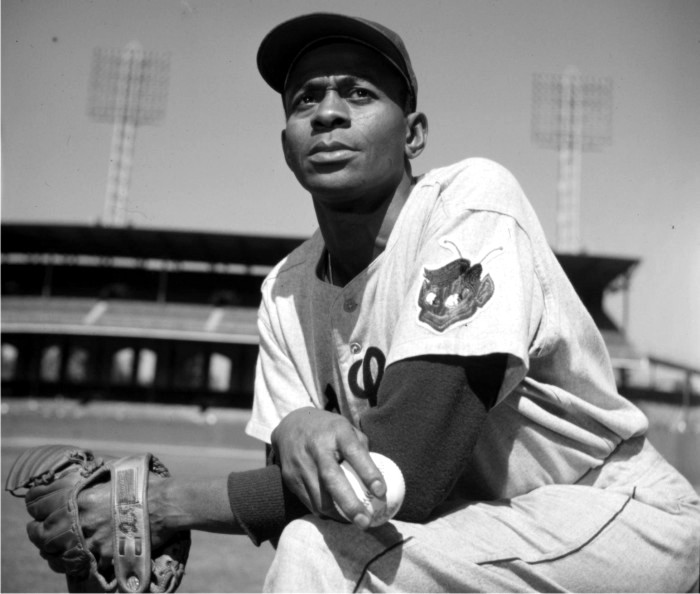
pixel 254 502
pixel 179 503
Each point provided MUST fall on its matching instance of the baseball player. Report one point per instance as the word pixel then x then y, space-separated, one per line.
pixel 427 320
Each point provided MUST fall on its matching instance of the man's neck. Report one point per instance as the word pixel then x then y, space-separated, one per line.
pixel 355 239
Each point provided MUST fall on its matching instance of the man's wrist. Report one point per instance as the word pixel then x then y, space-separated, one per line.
pixel 162 497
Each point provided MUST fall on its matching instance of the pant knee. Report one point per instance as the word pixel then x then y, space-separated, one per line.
pixel 321 555
pixel 302 561
pixel 300 539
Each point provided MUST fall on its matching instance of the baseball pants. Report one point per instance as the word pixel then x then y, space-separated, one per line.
pixel 631 526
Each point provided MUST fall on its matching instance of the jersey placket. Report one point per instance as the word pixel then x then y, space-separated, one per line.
pixel 349 347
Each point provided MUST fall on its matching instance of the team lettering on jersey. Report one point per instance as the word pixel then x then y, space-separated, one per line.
pixel 372 368
pixel 369 369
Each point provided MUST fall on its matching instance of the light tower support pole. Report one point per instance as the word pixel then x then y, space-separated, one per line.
pixel 121 155
pixel 568 238
pixel 128 88
pixel 571 114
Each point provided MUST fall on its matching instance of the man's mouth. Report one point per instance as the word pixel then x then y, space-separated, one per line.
pixel 330 152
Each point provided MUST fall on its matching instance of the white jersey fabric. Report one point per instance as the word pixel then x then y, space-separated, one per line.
pixel 467 271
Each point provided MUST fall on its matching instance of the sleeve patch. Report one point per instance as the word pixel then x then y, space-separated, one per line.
pixel 453 293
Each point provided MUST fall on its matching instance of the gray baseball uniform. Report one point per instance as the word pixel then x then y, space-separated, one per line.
pixel 467 271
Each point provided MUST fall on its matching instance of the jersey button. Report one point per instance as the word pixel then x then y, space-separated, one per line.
pixel 350 305
pixel 355 348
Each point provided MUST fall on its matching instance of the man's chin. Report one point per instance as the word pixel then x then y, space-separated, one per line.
pixel 332 184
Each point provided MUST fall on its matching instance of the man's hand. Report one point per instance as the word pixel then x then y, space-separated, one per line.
pixel 91 519
pixel 95 512
pixel 310 444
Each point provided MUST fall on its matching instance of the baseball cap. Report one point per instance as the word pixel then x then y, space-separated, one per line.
pixel 282 46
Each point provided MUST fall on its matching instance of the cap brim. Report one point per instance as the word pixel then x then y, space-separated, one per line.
pixel 282 45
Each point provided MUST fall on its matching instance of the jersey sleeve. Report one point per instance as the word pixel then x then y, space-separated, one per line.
pixel 278 387
pixel 473 292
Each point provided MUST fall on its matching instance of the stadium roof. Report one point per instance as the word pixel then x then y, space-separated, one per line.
pixel 181 245
pixel 143 243
pixel 594 274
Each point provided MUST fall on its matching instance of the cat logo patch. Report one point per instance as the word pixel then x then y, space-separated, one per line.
pixel 453 293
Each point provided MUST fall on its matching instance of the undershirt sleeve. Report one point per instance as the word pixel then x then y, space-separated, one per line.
pixel 428 416
pixel 261 502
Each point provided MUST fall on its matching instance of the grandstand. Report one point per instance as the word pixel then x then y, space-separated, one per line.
pixel 117 313
pixel 153 315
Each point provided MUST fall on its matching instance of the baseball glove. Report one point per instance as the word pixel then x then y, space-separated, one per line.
pixel 50 479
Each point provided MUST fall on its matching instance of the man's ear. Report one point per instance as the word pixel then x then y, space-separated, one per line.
pixel 416 134
pixel 285 148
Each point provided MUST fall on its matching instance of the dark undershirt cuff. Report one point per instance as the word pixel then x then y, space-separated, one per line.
pixel 261 503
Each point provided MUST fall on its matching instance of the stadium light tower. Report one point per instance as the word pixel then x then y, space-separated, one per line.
pixel 128 88
pixel 573 114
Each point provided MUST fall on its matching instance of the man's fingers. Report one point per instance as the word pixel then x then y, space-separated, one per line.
pixel 35 532
pixel 321 482
pixel 296 485
pixel 42 500
pixel 341 492
pixel 352 448
pixel 51 538
pixel 358 457
pixel 361 437
pixel 311 444
pixel 301 477
pixel 55 562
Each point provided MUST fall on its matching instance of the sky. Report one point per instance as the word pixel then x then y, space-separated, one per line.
pixel 214 163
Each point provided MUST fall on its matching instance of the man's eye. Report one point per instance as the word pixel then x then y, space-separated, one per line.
pixel 360 93
pixel 303 99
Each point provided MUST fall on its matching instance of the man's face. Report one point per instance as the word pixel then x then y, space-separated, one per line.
pixel 346 128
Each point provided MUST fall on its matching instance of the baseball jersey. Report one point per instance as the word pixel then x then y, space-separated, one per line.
pixel 466 271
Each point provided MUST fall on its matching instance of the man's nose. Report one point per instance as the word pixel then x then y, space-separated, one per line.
pixel 332 111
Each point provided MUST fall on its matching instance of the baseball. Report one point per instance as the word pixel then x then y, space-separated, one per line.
pixel 381 509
